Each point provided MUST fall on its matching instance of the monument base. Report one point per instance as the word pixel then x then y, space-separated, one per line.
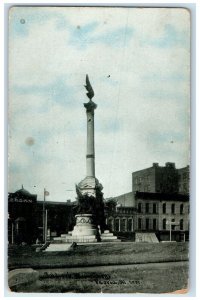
pixel 85 231
pixel 85 226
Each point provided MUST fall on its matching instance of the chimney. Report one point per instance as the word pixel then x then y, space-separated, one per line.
pixel 170 165
pixel 155 165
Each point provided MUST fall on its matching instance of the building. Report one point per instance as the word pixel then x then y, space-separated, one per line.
pixel 127 199
pixel 158 203
pixel 157 212
pixel 22 217
pixel 161 179
pixel 59 215
pixel 120 219
pixel 25 217
pixel 183 180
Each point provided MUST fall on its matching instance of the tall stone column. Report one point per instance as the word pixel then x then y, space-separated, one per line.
pixel 90 186
pixel 90 156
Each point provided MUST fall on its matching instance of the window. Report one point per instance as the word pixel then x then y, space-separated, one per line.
pixel 147 207
pixel 164 224
pixel 123 225
pixel 140 179
pixel 173 208
pixel 164 208
pixel 184 176
pixel 130 224
pixel 136 180
pixel 154 224
pixel 139 207
pixel 116 224
pixel 181 209
pixel 147 223
pixel 139 223
pixel 185 187
pixel 110 224
pixel 181 224
pixel 154 208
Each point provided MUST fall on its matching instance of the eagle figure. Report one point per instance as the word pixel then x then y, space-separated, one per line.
pixel 89 88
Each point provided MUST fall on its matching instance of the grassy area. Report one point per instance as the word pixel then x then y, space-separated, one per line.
pixel 149 278
pixel 97 254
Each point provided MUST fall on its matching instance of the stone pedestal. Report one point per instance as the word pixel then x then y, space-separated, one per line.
pixel 85 226
pixel 85 230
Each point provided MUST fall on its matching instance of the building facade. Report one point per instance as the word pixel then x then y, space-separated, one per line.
pixel 162 213
pixel 161 179
pixel 120 219
pixel 158 203
pixel 25 217
pixel 22 217
pixel 183 180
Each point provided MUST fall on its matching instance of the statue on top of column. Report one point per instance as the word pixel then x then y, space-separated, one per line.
pixel 89 88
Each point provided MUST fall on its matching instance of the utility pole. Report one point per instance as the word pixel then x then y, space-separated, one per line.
pixel 43 216
pixel 12 233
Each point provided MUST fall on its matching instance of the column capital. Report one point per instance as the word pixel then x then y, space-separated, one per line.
pixel 90 106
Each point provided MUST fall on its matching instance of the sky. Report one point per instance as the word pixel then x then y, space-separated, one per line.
pixel 138 62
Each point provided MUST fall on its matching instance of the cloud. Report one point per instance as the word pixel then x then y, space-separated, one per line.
pixel 169 38
pixel 57 91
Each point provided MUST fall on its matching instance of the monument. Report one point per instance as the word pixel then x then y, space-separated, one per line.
pixel 90 224
pixel 90 210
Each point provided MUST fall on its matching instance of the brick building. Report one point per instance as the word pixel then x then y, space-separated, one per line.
pixel 160 195
pixel 161 179
pixel 25 217
pixel 155 211
pixel 183 180
pixel 120 218
pixel 22 217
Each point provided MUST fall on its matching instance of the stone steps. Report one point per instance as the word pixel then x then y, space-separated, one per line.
pixel 110 240
pixel 106 234
pixel 81 239
pixel 59 247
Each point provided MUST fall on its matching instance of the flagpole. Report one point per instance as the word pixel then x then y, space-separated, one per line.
pixel 45 225
pixel 44 216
